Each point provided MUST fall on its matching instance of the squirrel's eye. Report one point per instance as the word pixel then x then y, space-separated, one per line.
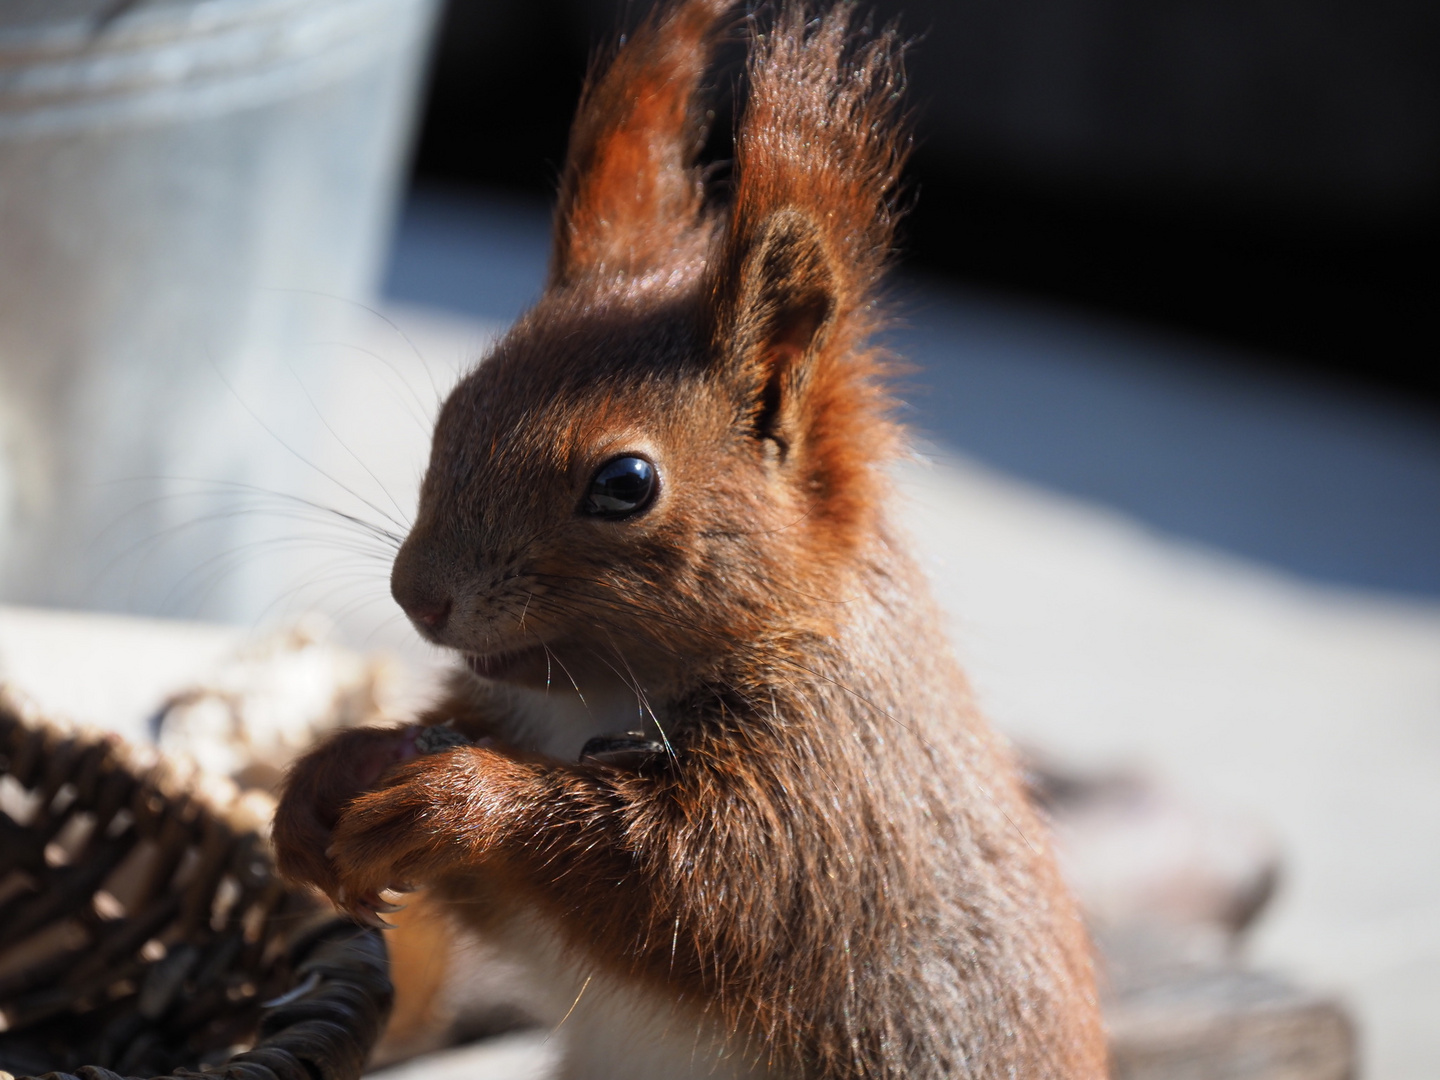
pixel 621 487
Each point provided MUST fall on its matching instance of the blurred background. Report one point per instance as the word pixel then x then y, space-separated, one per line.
pixel 1266 174
pixel 1169 283
pixel 1245 193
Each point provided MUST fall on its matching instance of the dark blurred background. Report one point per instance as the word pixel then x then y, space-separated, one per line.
pixel 1263 172
pixel 1179 259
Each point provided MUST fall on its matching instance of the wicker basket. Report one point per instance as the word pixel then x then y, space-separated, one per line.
pixel 144 933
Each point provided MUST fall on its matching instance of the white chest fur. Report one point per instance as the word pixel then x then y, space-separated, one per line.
pixel 609 1029
pixel 559 721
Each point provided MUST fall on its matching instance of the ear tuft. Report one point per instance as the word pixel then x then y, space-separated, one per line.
pixel 787 286
pixel 785 297
pixel 631 196
pixel 817 158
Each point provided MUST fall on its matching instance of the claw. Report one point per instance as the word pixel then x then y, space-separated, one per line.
pixel 627 751
pixel 366 909
pixel 366 916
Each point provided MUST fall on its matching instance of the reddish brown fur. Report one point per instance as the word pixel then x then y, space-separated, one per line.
pixel 836 867
pixel 631 197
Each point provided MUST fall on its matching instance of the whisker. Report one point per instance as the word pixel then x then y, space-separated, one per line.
pixel 322 601
pixel 217 567
pixel 634 684
pixel 321 417
pixel 563 668
pixel 383 625
pixel 423 417
pixel 236 554
pixel 415 349
pixel 253 489
pixel 295 453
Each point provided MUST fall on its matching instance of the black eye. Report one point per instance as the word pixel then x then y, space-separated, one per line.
pixel 621 487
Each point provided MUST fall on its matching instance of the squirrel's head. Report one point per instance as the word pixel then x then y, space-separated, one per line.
pixel 680 451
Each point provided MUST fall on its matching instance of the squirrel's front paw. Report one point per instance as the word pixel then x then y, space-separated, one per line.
pixel 411 829
pixel 317 789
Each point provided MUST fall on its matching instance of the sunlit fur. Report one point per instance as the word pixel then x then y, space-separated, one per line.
pixel 832 872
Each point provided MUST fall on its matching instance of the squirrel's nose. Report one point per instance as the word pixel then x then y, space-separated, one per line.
pixel 414 585
pixel 433 614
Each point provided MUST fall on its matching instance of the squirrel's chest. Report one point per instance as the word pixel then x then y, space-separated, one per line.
pixel 608 1027
pixel 559 722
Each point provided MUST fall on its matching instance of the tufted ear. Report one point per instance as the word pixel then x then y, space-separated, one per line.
pixel 783 302
pixel 631 195
pixel 817 156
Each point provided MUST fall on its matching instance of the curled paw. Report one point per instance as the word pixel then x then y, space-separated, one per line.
pixel 317 789
pixel 418 823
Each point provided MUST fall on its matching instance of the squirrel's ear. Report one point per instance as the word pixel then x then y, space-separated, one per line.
pixel 777 320
pixel 791 287
pixel 631 196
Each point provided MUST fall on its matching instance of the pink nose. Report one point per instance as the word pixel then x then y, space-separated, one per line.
pixel 419 586
pixel 432 614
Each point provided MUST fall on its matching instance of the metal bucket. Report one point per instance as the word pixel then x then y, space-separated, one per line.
pixel 189 191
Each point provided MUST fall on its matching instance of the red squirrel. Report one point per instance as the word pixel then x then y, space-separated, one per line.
pixel 725 789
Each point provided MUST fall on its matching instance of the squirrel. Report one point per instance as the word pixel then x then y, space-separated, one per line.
pixel 719 781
